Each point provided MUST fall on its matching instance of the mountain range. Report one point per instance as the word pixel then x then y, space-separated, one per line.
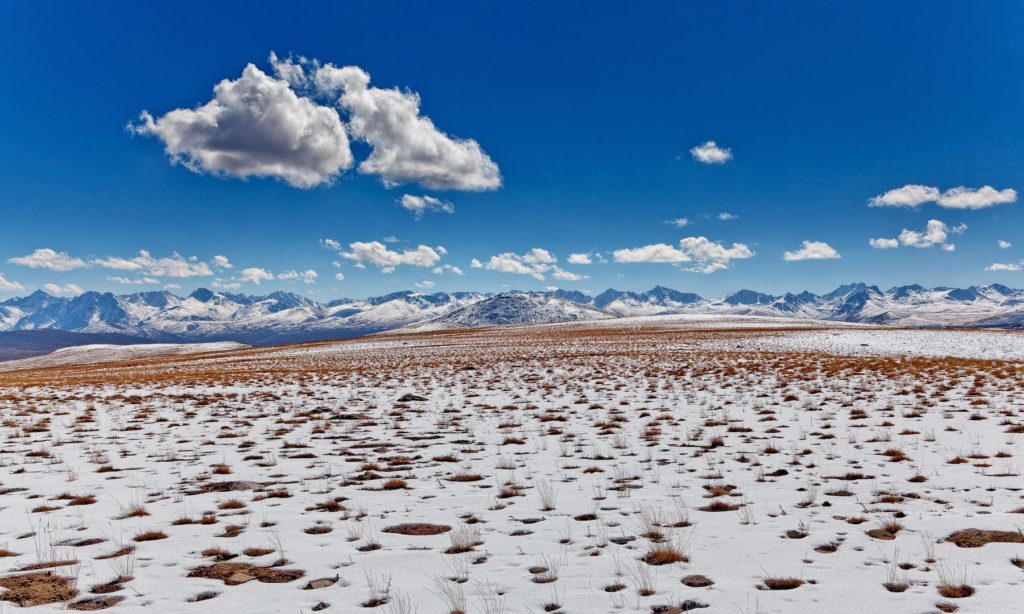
pixel 280 317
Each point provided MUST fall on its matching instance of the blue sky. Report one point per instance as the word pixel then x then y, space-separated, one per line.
pixel 584 116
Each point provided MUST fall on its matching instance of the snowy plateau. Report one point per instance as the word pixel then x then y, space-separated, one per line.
pixel 639 465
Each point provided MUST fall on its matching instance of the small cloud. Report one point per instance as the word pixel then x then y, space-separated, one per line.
pixel 707 256
pixel 812 250
pixel 709 152
pixel 936 233
pixel 725 216
pixel 679 222
pixel 882 243
pixel 1003 267
pixel 914 195
pixel 221 262
pixel 425 285
pixel 579 259
pixel 7 285
pixel 339 276
pixel 911 195
pixel 419 205
pixel 1004 244
pixel 49 259
pixel 66 290
pixel 255 275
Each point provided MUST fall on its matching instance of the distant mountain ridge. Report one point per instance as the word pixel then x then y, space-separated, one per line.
pixel 278 317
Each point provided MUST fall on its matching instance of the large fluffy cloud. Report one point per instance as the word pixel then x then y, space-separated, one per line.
pixel 173 266
pixel 405 145
pixel 46 258
pixel 706 255
pixel 936 232
pixel 255 126
pixel 914 195
pixel 812 250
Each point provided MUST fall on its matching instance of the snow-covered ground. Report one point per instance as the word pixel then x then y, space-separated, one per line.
pixel 102 352
pixel 560 463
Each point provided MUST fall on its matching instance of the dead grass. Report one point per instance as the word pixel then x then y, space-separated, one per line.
pixel 28 590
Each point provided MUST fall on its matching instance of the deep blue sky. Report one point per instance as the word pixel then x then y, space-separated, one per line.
pixel 588 108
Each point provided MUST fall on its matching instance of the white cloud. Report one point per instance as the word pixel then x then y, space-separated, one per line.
pixel 426 285
pixel 935 233
pixel 706 255
pixel 725 216
pixel 812 250
pixel 425 204
pixel 679 222
pixel 568 275
pixel 658 252
pixel 536 263
pixel 711 256
pixel 378 254
pixel 172 287
pixel 173 266
pixel 579 259
pixel 448 267
pixel 7 285
pixel 970 198
pixel 255 275
pixel 910 195
pixel 222 285
pixel 307 277
pixel 1004 244
pixel 882 243
pixel 66 290
pixel 709 152
pixel 136 281
pixel 1003 267
pixel 255 126
pixel 339 276
pixel 914 195
pixel 46 258
pixel 221 262
pixel 331 244
pixel 406 146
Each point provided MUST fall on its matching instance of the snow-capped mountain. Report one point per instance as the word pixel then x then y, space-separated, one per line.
pixel 523 308
pixel 207 315
pixel 993 305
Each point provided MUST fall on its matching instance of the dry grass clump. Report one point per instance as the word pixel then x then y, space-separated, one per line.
pixel 233 574
pixel 148 536
pixel 976 538
pixel 782 584
pixel 665 554
pixel 417 528
pixel 28 590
